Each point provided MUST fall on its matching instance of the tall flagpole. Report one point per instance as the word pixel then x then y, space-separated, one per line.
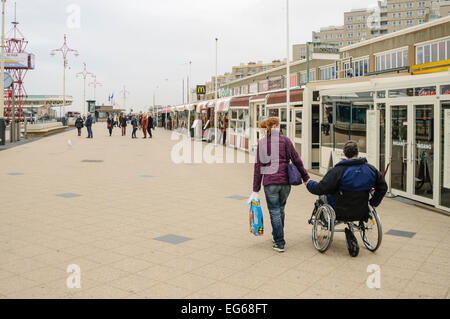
pixel 215 96
pixel 2 63
pixel 288 75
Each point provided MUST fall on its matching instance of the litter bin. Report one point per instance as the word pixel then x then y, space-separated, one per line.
pixel 2 131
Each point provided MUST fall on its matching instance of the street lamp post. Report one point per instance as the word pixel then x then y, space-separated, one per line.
pixel 154 100
pixel 84 74
pixel 288 75
pixel 2 63
pixel 64 50
pixel 94 84
pixel 215 95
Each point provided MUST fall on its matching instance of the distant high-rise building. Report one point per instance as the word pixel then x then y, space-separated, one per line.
pixel 385 17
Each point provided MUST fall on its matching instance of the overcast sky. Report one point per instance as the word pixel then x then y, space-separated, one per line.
pixel 140 43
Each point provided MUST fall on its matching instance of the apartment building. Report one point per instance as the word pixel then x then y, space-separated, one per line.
pixel 444 8
pixel 356 26
pixel 241 71
pixel 298 52
pixel 331 34
pixel 386 17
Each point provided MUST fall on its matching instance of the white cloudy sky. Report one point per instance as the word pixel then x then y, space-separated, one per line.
pixel 140 43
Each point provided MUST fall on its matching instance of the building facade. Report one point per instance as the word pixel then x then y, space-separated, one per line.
pixel 390 93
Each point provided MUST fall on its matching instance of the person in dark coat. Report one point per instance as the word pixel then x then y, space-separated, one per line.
pixel 134 124
pixel 88 124
pixel 123 124
pixel 110 124
pixel 272 159
pixel 79 123
pixel 348 185
pixel 150 125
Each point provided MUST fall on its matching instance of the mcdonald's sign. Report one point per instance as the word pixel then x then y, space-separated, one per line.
pixel 201 89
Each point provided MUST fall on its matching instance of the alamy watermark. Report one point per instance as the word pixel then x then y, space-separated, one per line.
pixel 374 280
pixel 188 151
pixel 74 279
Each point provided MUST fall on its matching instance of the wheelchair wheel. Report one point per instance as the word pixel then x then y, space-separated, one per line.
pixel 371 231
pixel 323 228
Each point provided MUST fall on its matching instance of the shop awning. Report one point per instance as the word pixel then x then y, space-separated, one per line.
pixel 240 102
pixel 189 107
pixel 280 98
pixel 260 97
pixel 223 105
pixel 180 108
pixel 202 106
pixel 165 110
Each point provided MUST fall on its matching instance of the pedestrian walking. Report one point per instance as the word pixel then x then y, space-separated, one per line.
pixel 144 124
pixel 134 123
pixel 79 123
pixel 123 124
pixel 89 125
pixel 150 125
pixel 272 170
pixel 110 124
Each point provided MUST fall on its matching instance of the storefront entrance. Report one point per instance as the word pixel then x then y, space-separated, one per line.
pixel 412 150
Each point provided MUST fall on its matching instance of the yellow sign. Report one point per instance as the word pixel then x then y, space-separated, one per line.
pixel 201 89
pixel 431 67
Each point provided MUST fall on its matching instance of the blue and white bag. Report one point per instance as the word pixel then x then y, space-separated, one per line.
pixel 256 218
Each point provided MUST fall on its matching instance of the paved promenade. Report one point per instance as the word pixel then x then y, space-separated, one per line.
pixel 140 226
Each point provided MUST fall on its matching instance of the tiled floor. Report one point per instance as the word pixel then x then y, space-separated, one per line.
pixel 134 193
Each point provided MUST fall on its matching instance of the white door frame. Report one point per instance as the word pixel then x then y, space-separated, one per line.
pixel 411 102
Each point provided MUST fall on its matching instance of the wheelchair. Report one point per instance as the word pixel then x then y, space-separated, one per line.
pixel 324 222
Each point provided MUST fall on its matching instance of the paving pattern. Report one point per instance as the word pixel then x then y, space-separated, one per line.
pixel 110 213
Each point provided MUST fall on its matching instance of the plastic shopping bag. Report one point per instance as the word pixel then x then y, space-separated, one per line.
pixel 256 219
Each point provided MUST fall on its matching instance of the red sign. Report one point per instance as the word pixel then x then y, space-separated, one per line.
pixel 293 80
pixel 445 89
pixel 425 91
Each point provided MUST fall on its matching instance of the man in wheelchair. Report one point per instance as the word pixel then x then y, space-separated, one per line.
pixel 348 187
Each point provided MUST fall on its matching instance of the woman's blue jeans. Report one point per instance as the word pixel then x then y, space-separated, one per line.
pixel 276 197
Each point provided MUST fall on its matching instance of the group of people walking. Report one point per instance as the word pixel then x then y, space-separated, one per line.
pixel 142 121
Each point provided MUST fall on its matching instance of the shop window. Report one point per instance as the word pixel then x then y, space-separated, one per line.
pixel 394 60
pixel 327 125
pixel 442 55
pixel 445 89
pixel 434 52
pixel 427 54
pixel 343 120
pixel 424 91
pixel 283 117
pixel 298 124
pixel 274 112
pixel 234 115
pixel 401 93
pixel 419 56
pixel 381 94
pixel 240 115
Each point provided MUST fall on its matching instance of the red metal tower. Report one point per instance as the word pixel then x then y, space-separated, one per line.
pixel 15 43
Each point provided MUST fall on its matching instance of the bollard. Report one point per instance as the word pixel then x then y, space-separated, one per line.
pixel 18 131
pixel 25 122
pixel 2 131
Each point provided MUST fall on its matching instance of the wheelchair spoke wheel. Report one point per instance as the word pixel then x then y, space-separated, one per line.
pixel 323 228
pixel 371 231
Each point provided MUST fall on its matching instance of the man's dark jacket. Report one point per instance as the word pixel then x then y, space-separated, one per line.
pixel 88 121
pixel 348 186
